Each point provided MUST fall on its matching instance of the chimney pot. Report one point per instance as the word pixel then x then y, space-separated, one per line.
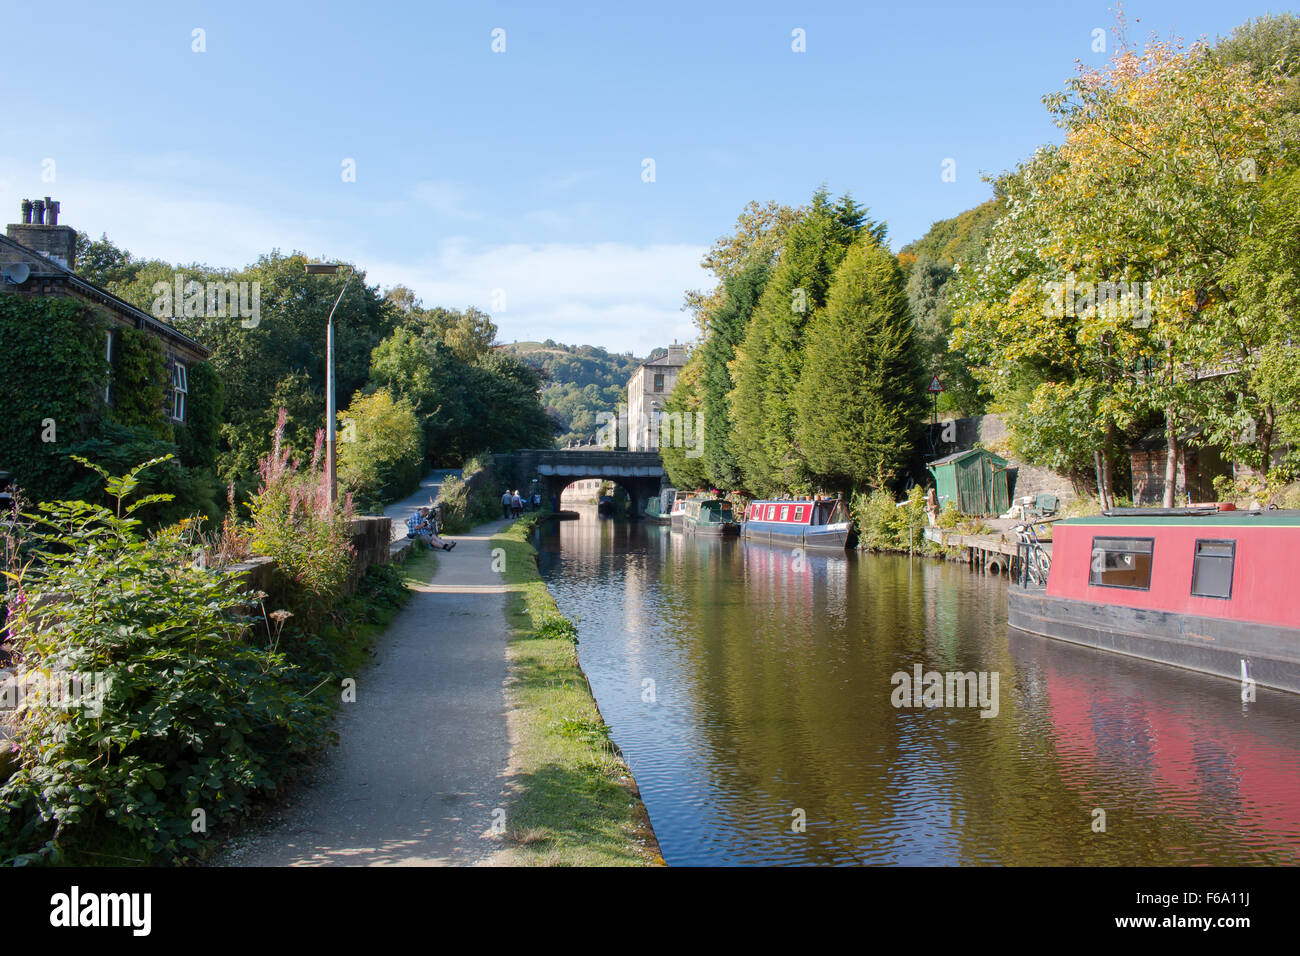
pixel 38 212
pixel 27 212
pixel 52 207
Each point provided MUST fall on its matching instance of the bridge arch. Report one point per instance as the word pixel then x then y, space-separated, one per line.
pixel 640 473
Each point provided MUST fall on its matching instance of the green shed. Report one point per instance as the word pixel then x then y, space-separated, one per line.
pixel 977 479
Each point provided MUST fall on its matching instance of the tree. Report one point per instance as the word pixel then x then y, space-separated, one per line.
pixel 684 465
pixel 381 448
pixel 1154 185
pixel 1266 281
pixel 861 396
pixel 758 238
pixel 770 357
pixel 727 327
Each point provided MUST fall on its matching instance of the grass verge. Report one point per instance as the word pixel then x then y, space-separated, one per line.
pixel 573 799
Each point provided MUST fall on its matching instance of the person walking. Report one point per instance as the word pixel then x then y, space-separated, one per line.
pixel 507 500
pixel 516 504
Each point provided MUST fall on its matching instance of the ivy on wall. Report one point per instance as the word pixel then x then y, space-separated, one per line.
pixel 53 369
pixel 139 381
pixel 198 438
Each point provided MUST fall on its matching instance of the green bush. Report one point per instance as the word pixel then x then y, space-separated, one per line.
pixel 194 714
pixel 469 500
pixel 119 448
pixel 886 525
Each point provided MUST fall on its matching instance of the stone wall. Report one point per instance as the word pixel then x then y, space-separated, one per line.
pixel 370 542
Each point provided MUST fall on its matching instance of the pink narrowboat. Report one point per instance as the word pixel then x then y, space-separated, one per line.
pixel 1203 589
pixel 799 523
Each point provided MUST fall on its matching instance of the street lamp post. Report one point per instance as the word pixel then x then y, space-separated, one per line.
pixel 331 461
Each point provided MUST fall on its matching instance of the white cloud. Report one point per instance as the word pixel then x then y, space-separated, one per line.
pixel 618 295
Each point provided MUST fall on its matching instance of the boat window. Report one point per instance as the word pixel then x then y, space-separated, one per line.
pixel 771 512
pixel 798 514
pixel 785 512
pixel 1121 563
pixel 1212 569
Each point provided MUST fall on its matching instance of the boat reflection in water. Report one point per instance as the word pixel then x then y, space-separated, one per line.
pixel 1157 728
pixel 750 688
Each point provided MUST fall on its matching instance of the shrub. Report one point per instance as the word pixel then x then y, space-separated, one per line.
pixel 886 525
pixel 469 500
pixel 295 523
pixel 192 714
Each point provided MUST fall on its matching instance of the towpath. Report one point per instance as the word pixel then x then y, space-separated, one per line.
pixel 422 758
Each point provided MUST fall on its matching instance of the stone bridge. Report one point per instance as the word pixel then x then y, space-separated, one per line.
pixel 640 473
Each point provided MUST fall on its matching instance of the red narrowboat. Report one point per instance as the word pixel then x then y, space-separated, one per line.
pixel 799 523
pixel 1202 589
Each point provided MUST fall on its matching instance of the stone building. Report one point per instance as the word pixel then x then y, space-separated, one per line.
pixel 38 257
pixel 647 390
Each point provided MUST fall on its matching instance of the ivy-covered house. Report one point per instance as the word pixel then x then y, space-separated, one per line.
pixel 85 372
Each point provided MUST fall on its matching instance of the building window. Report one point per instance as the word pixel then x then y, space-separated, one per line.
pixel 1122 563
pixel 180 388
pixel 1212 569
pixel 659 382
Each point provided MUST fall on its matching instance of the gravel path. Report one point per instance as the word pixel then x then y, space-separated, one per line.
pixel 423 752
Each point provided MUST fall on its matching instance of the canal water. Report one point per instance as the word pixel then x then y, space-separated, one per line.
pixel 753 692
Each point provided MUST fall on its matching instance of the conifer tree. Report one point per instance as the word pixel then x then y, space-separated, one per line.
pixel 726 329
pixel 770 358
pixel 860 398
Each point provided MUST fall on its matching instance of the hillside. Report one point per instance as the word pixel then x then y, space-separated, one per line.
pixel 931 263
pixel 581 381
pixel 959 239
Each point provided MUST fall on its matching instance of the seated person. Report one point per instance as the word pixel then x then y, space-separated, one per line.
pixel 429 527
pixel 416 527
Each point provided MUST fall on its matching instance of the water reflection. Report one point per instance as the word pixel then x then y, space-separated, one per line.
pixel 749 688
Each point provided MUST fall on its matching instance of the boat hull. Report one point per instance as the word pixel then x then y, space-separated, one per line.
pixel 819 537
pixel 1213 646
pixel 711 530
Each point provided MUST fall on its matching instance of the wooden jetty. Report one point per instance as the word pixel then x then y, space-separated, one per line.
pixel 986 553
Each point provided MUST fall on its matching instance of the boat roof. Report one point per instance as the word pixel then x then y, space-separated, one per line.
pixel 959 455
pixel 1199 517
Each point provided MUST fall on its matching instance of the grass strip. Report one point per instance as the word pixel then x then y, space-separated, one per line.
pixel 574 801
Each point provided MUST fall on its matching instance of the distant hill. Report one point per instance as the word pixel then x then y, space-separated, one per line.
pixel 582 380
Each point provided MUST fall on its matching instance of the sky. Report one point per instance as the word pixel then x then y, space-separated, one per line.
pixel 569 180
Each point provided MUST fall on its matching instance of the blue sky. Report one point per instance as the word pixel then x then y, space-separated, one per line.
pixel 520 172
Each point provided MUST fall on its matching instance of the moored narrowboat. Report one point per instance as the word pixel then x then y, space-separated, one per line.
pixel 677 514
pixel 708 516
pixel 1203 589
pixel 799 523
pixel 659 509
